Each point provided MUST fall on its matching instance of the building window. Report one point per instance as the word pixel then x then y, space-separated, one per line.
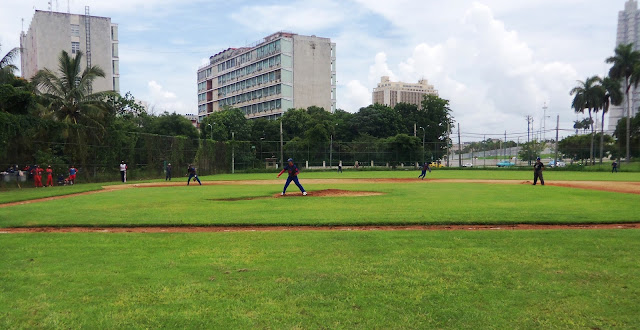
pixel 75 47
pixel 75 30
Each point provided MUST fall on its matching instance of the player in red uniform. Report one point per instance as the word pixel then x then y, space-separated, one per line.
pixel 72 174
pixel 49 176
pixel 37 176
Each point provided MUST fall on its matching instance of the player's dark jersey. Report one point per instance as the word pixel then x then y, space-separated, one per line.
pixel 192 170
pixel 538 167
pixel 425 166
pixel 292 170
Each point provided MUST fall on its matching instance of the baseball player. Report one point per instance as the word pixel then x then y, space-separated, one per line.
pixel 425 168
pixel 192 174
pixel 72 175
pixel 293 171
pixel 123 171
pixel 538 167
pixel 49 176
pixel 37 176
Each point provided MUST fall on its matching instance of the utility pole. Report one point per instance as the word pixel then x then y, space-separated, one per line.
pixel 544 122
pixel 557 142
pixel 484 153
pixel 415 129
pixel 505 145
pixel 529 121
pixel 448 141
pixel 233 153
pixel 331 151
pixel 459 148
pixel 424 134
pixel 281 144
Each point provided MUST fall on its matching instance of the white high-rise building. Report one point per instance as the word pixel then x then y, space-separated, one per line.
pixel 390 93
pixel 280 72
pixel 51 32
pixel 628 33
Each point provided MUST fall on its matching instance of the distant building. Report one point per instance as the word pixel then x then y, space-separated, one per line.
pixel 391 93
pixel 280 72
pixel 192 118
pixel 51 32
pixel 628 32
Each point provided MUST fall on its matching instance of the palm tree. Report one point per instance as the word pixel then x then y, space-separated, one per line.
pixel 612 95
pixel 69 95
pixel 588 96
pixel 7 70
pixel 625 61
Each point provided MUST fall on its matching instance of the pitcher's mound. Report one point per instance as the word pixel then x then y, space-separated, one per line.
pixel 330 193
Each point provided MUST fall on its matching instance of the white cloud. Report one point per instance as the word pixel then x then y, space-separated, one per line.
pixel 300 17
pixel 356 95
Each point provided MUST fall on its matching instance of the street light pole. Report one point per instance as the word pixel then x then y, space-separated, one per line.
pixel 211 130
pixel 424 133
pixel 233 153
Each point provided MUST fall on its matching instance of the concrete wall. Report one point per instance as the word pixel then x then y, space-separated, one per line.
pixel 312 75
pixel 50 33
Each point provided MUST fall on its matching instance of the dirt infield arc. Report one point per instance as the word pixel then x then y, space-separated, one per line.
pixel 610 186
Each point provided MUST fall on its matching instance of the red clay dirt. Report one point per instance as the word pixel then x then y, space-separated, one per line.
pixel 219 229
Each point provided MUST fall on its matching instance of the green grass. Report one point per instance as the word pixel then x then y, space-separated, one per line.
pixel 407 279
pixel 18 195
pixel 420 202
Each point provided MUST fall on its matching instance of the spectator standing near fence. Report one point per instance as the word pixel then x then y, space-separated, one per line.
pixel 614 167
pixel 123 171
pixel 168 172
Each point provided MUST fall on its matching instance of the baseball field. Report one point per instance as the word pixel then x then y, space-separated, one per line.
pixel 461 249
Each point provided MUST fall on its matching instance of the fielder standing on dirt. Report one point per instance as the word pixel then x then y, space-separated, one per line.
pixel 538 167
pixel 425 168
pixel 293 171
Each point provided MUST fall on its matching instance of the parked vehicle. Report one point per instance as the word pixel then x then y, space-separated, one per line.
pixel 436 165
pixel 560 164
pixel 505 163
pixel 467 165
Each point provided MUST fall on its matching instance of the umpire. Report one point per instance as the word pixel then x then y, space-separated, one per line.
pixel 538 167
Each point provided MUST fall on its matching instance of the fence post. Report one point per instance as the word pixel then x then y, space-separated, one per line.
pixel 306 165
pixel 324 163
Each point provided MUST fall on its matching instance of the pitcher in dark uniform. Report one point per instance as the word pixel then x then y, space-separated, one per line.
pixel 538 167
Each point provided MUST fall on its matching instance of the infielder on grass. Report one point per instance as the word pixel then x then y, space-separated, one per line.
pixel 192 174
pixel 293 171
pixel 425 168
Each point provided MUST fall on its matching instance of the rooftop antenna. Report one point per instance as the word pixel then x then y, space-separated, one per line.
pixel 57 8
pixel 23 25
pixel 68 7
pixel 49 6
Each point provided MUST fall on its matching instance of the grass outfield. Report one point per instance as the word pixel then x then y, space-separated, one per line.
pixel 405 279
pixel 12 194
pixel 18 195
pixel 404 203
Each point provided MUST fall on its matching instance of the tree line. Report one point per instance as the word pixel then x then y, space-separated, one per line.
pixel 596 94
pixel 56 118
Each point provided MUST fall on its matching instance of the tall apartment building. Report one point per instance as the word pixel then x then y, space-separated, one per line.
pixel 280 72
pixel 51 32
pixel 628 32
pixel 390 93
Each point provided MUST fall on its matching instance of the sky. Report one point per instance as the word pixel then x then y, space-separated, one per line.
pixel 497 61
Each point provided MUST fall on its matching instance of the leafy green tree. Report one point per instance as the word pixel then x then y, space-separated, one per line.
pixel 378 120
pixel 172 124
pixel 531 150
pixel 69 94
pixel 16 101
pixel 7 68
pixel 634 138
pixel 588 95
pixel 612 95
pixel 225 124
pixel 403 148
pixel 124 105
pixel 626 65
pixel 437 120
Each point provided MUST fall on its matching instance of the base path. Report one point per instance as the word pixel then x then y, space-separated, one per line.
pixel 222 229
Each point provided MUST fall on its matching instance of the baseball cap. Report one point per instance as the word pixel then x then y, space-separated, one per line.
pixel 538 158
pixel 290 160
